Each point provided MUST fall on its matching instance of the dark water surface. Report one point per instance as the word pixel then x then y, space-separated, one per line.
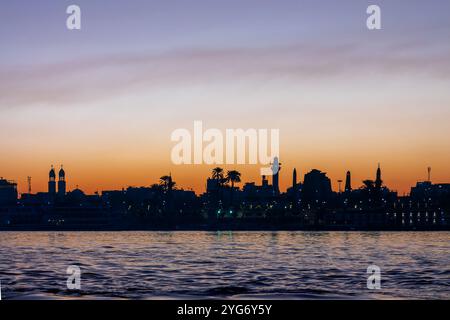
pixel 235 265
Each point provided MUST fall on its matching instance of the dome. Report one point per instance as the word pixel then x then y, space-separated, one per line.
pixel 77 193
pixel 62 173
pixel 52 173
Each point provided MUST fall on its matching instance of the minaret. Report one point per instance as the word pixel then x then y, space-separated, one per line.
pixel 52 182
pixel 348 182
pixel 276 167
pixel 378 181
pixel 62 183
pixel 294 178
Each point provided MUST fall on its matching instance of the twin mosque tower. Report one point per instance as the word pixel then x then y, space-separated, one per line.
pixel 61 182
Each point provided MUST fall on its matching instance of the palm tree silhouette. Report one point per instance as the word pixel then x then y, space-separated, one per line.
pixel 167 183
pixel 233 177
pixel 369 189
pixel 369 185
pixel 217 173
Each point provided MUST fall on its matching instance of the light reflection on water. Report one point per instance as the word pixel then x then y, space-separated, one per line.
pixel 280 265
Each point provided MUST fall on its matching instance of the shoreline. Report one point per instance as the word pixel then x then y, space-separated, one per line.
pixel 219 229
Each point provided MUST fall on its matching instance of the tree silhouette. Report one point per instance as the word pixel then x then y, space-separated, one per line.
pixel 369 185
pixel 166 183
pixel 369 189
pixel 233 177
pixel 217 173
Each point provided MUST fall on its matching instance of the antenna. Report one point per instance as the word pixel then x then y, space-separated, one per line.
pixel 429 174
pixel 29 185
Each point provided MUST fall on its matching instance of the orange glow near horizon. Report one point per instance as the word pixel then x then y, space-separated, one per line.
pixel 132 147
pixel 92 176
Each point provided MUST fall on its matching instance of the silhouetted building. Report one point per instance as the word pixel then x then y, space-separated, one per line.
pixel 76 196
pixel 422 191
pixel 258 194
pixel 62 183
pixel 295 190
pixel 426 191
pixel 378 181
pixel 311 203
pixel 276 167
pixel 52 182
pixel 8 192
pixel 40 198
pixel 114 198
pixel 316 187
pixel 294 178
pixel 212 185
pixel 252 191
pixel 348 182
pixel 264 182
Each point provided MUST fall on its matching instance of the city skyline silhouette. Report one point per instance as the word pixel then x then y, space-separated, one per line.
pixel 258 152
pixel 284 185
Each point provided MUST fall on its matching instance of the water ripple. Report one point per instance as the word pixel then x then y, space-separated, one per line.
pixel 277 265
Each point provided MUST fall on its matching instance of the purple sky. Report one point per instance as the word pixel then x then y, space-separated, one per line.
pixel 34 31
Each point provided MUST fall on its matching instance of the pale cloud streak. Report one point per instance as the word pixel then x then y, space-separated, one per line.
pixel 87 80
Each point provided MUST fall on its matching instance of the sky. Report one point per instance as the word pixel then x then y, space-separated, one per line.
pixel 105 99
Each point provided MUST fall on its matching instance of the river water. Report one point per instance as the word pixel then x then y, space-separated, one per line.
pixel 229 265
